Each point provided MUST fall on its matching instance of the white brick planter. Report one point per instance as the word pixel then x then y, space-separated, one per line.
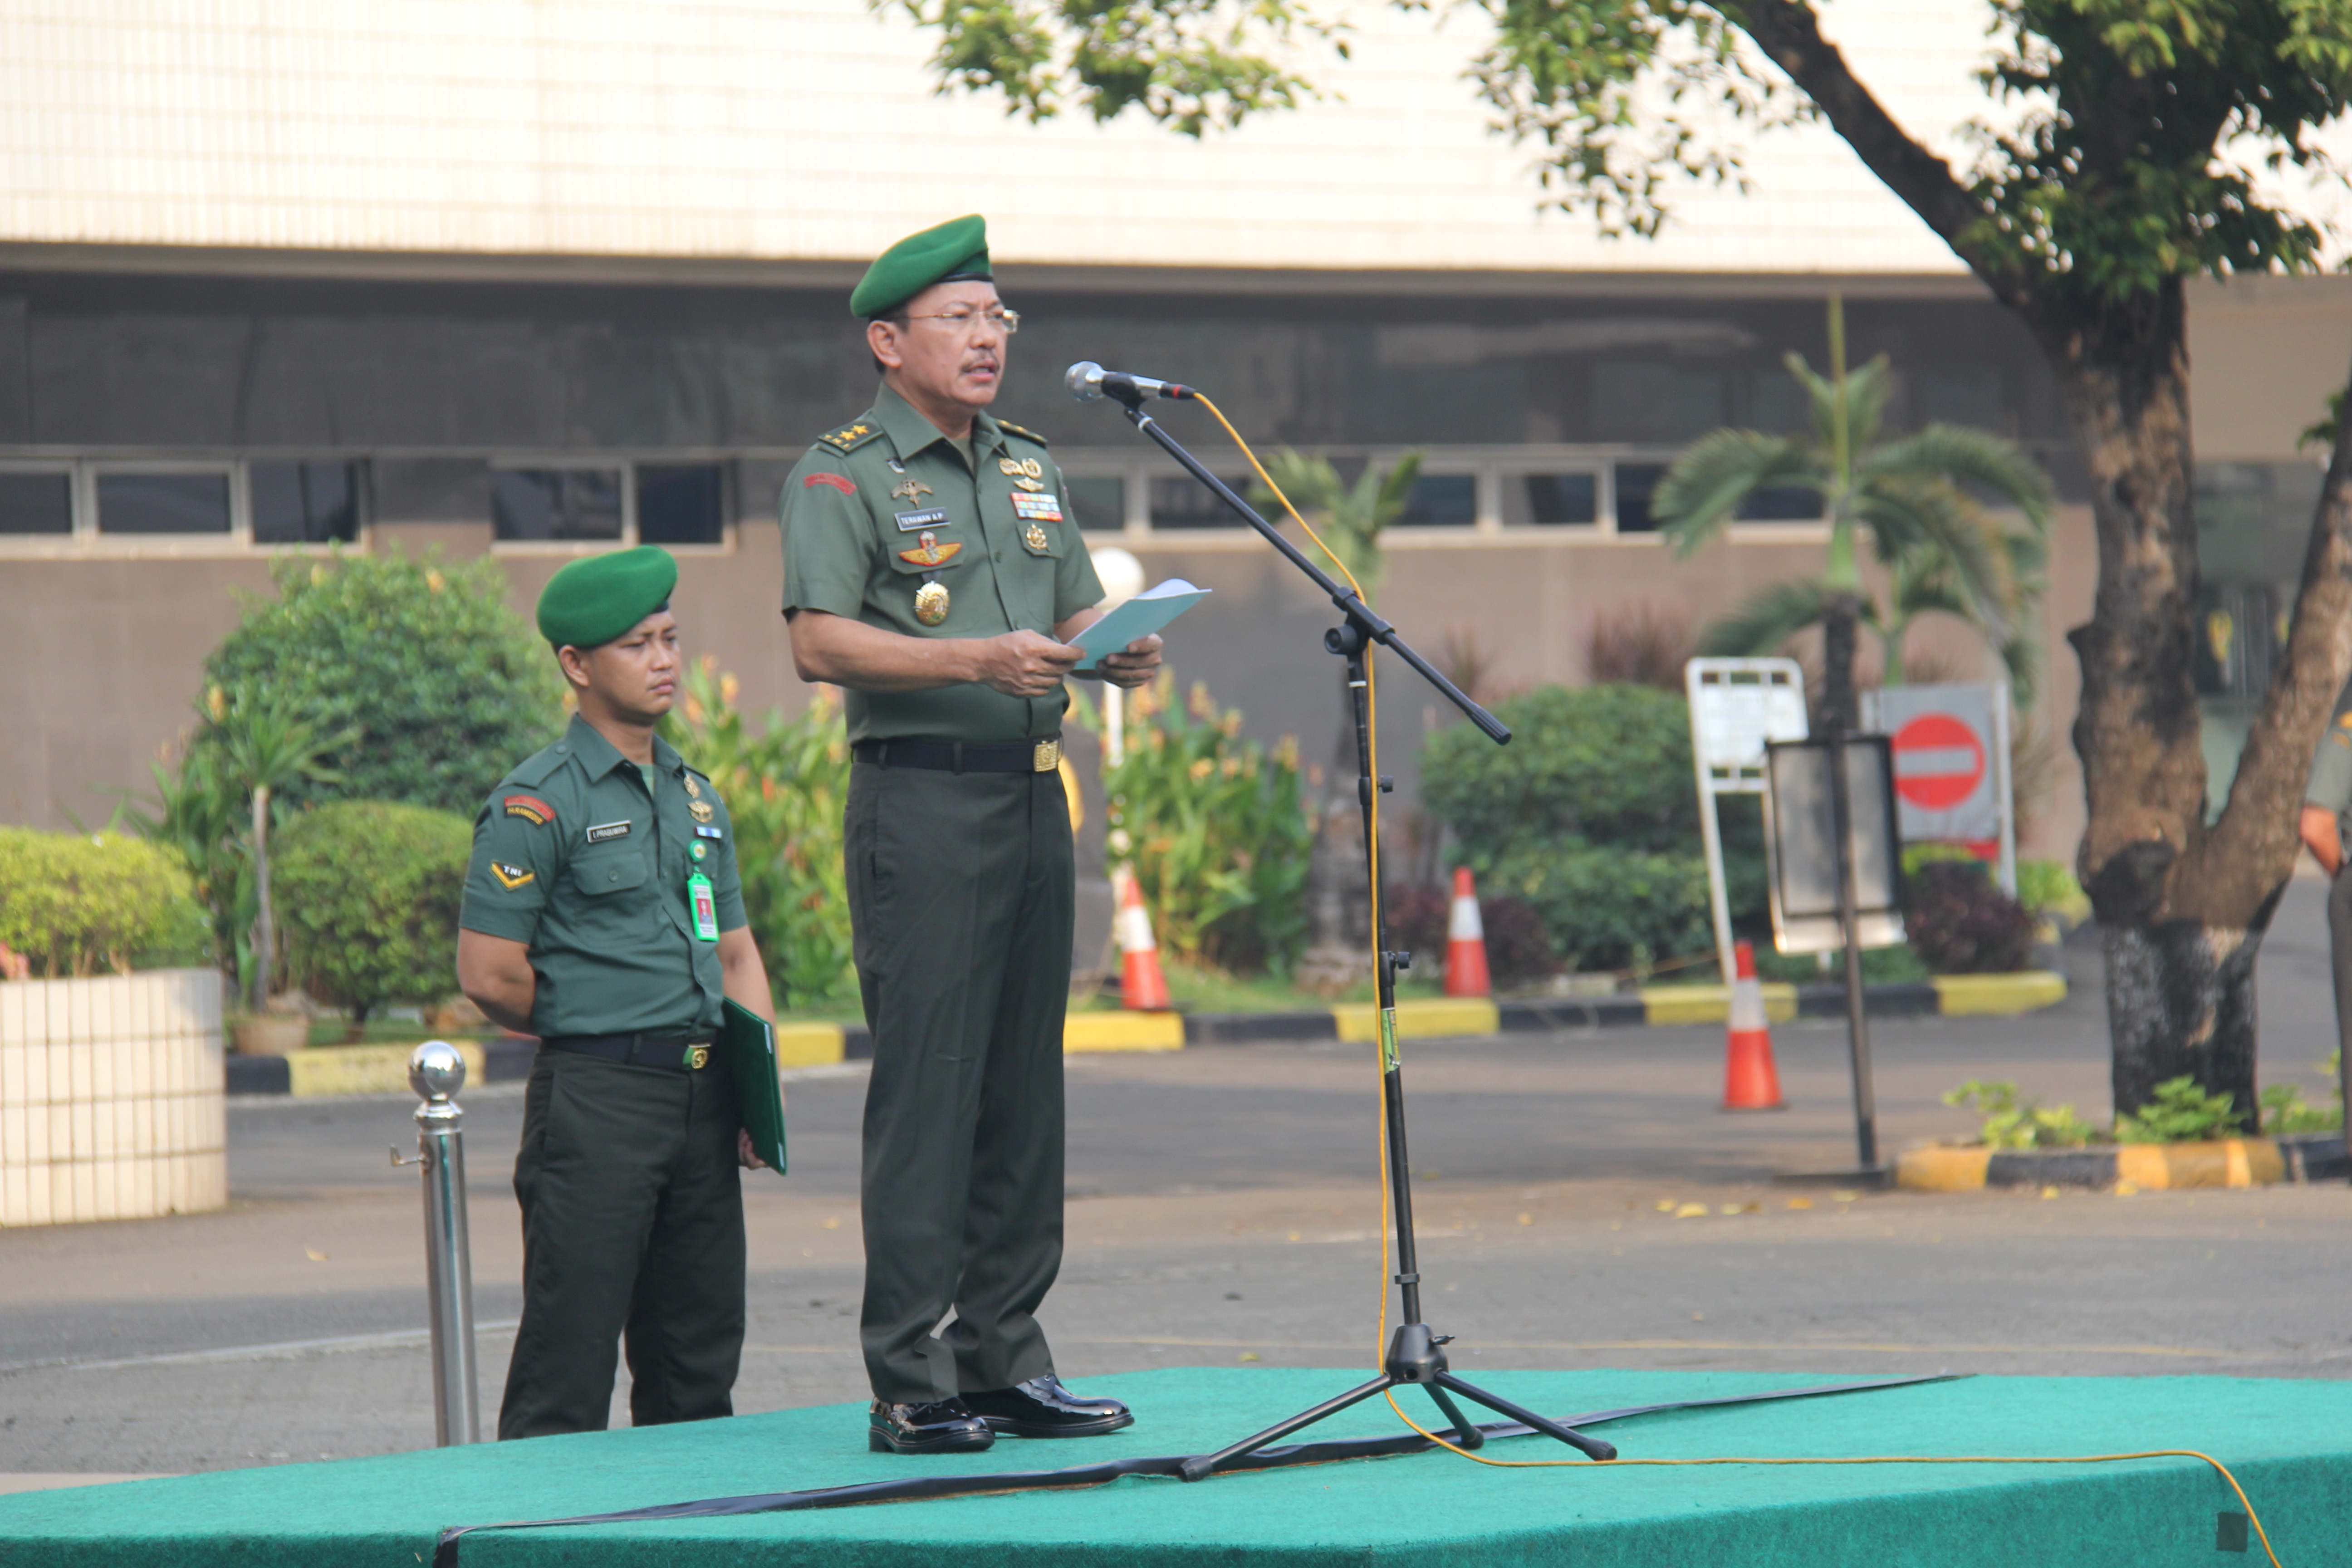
pixel 111 1102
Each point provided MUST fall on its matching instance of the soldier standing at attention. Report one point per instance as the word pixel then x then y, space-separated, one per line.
pixel 931 570
pixel 604 914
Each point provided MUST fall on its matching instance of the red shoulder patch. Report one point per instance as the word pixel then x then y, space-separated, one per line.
pixel 841 482
pixel 530 807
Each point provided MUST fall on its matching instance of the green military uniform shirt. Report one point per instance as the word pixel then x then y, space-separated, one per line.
pixel 887 503
pixel 582 856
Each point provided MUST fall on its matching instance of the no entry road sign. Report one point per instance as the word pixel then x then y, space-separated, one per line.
pixel 1939 761
pixel 1951 744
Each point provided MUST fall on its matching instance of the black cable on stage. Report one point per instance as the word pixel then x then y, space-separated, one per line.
pixel 916 1488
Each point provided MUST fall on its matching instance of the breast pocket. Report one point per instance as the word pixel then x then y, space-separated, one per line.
pixel 616 890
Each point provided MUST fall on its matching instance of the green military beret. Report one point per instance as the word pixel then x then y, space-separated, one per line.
pixel 956 250
pixel 595 599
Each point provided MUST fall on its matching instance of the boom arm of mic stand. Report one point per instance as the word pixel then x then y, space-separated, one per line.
pixel 1358 614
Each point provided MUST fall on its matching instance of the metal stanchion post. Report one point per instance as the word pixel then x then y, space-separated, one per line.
pixel 436 1071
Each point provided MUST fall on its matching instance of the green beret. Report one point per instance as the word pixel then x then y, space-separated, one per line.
pixel 598 598
pixel 956 250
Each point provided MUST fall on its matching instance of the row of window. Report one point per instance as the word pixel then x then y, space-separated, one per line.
pixel 272 503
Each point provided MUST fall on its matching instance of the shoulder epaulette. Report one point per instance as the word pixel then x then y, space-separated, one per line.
pixel 1010 429
pixel 849 438
pixel 537 770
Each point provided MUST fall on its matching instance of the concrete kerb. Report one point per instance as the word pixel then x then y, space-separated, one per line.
pixel 360 1070
pixel 2129 1167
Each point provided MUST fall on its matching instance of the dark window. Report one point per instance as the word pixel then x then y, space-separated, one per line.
pixel 1099 506
pixel 1183 502
pixel 681 503
pixel 1441 500
pixel 1636 482
pixel 305 503
pixel 162 503
pixel 36 504
pixel 1552 500
pixel 1783 504
pixel 555 503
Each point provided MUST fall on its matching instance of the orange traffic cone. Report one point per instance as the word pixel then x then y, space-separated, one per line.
pixel 1141 986
pixel 1465 941
pixel 1750 1081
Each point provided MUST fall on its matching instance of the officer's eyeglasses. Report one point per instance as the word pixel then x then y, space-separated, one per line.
pixel 964 319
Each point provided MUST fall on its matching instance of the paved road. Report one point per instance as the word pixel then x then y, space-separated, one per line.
pixel 1227 1209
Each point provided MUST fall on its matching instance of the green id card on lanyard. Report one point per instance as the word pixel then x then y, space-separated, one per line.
pixel 703 904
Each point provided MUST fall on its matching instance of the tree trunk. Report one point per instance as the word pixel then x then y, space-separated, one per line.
pixel 1840 612
pixel 265 935
pixel 2182 906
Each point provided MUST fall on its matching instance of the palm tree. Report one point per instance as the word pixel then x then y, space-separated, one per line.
pixel 264 749
pixel 1915 496
pixel 1349 518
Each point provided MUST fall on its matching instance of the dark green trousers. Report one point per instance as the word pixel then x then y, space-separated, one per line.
pixel 961 887
pixel 632 1229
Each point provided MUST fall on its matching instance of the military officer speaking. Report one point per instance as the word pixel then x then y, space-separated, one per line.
pixel 604 914
pixel 931 568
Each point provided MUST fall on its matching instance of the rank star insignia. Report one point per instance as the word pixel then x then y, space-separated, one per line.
pixel 1034 537
pixel 700 810
pixel 929 551
pixel 512 877
pixel 909 489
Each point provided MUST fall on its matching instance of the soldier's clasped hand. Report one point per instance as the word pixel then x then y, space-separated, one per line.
pixel 1026 664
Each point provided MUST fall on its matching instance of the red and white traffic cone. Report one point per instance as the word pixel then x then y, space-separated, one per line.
pixel 1141 985
pixel 1465 941
pixel 1750 1081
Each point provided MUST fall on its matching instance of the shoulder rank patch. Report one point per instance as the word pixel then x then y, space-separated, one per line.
pixel 930 551
pixel 841 482
pixel 850 437
pixel 1027 433
pixel 530 808
pixel 512 877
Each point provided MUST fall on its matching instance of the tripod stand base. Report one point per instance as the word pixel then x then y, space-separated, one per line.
pixel 1415 1356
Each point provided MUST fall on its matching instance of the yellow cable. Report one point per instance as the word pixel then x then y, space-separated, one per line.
pixel 1380 1349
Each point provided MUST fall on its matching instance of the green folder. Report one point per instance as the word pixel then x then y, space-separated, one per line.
pixel 749 1043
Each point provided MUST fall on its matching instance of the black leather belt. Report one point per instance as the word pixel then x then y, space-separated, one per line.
pixel 679 1053
pixel 963 756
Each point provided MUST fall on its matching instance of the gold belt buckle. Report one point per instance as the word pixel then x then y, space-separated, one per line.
pixel 1048 757
pixel 696 1058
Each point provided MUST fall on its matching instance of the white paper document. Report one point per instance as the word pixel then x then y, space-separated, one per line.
pixel 1138 617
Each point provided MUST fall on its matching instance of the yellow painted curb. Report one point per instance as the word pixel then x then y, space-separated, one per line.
pixel 1958 995
pixel 2225 1163
pixel 1942 1169
pixel 808 1045
pixel 1421 1018
pixel 1123 1032
pixel 363 1070
pixel 1711 1004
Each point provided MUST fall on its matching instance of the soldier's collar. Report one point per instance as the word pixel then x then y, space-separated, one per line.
pixel 910 432
pixel 598 756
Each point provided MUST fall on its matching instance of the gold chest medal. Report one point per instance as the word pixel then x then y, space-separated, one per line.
pixel 932 598
pixel 932 604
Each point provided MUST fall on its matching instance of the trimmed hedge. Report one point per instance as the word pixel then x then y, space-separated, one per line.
pixel 367 894
pixel 74 901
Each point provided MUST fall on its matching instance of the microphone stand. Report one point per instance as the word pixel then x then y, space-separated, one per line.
pixel 1415 1355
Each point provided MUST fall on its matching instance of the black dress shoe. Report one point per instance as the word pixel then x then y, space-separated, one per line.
pixel 1041 1407
pixel 935 1426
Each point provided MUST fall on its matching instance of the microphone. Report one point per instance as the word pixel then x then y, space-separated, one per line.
pixel 1089 380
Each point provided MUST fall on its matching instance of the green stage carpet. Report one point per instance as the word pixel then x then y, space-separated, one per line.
pixel 2290 1443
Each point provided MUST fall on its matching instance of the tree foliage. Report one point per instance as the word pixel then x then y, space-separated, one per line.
pixel 75 902
pixel 371 892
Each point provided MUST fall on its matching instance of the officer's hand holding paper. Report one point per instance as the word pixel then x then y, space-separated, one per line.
pixel 1138 617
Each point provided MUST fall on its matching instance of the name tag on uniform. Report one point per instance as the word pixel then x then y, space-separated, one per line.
pixel 1038 507
pixel 933 517
pixel 603 830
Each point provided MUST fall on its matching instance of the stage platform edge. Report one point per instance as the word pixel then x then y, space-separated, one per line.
pixel 2289 1443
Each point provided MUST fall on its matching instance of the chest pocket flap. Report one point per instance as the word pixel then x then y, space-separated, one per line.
pixel 610 873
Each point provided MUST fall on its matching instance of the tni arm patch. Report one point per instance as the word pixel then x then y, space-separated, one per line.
pixel 512 877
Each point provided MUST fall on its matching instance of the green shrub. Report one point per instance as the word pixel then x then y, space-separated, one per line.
pixel 2180 1112
pixel 1896 965
pixel 2285 1111
pixel 447 688
pixel 2013 1123
pixel 785 790
pixel 1215 829
pixel 368 893
pixel 2047 888
pixel 73 902
pixel 1960 923
pixel 1590 815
